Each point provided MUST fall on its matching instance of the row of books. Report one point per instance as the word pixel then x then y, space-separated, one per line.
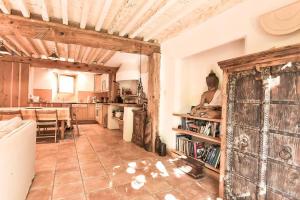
pixel 200 126
pixel 199 150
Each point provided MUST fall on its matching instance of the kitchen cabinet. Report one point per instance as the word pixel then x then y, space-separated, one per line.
pixel 101 83
pixel 101 114
pixel 81 111
pixel 91 111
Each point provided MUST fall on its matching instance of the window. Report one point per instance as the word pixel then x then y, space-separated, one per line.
pixel 66 84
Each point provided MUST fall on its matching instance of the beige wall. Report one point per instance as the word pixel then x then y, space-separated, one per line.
pixel 188 58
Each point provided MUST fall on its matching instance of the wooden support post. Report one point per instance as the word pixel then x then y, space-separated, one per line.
pixel 223 134
pixel 112 86
pixel 154 94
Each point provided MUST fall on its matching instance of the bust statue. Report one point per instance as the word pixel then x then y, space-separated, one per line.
pixel 210 103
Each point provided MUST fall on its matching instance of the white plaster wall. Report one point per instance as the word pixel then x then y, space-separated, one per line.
pixel 43 78
pixel 188 58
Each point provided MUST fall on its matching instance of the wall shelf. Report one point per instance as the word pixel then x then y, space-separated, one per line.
pixel 198 135
pixel 194 117
pixel 208 166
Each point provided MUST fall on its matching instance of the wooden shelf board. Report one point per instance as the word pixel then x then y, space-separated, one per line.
pixel 198 135
pixel 194 117
pixel 205 164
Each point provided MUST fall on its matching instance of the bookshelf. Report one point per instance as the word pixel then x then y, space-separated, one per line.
pixel 190 127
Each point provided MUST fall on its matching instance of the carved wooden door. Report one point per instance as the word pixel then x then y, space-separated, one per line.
pixel 243 135
pixel 263 134
pixel 283 166
pixel 139 120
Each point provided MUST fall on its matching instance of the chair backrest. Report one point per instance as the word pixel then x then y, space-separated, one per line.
pixel 8 114
pixel 46 115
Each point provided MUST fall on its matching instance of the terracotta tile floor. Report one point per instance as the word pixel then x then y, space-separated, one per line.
pixel 101 166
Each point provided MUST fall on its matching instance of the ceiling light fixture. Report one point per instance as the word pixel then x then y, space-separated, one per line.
pixel 3 49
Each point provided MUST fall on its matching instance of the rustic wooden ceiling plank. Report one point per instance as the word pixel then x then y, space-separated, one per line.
pixel 85 13
pixel 5 7
pixel 137 17
pixel 57 64
pixel 32 28
pixel 64 12
pixel 30 45
pixel 108 56
pixel 16 43
pixel 10 45
pixel 85 55
pixel 104 13
pixel 44 10
pixel 43 47
pixel 153 17
pixel 23 8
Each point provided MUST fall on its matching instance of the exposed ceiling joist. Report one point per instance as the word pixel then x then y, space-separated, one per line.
pixel 137 17
pixel 64 11
pixel 44 9
pixel 175 19
pixel 85 13
pixel 28 43
pixel 153 17
pixel 43 47
pixel 37 29
pixel 10 45
pixel 108 56
pixel 56 64
pixel 56 49
pixel 5 7
pixel 18 45
pixel 22 6
pixel 85 54
pixel 104 12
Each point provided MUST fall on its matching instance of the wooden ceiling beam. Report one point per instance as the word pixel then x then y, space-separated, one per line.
pixel 108 56
pixel 30 45
pixel 10 45
pixel 153 17
pixel 64 12
pixel 85 13
pixel 18 45
pixel 43 47
pixel 85 54
pixel 5 7
pixel 92 56
pixel 57 64
pixel 56 49
pixel 104 12
pixel 44 10
pixel 23 8
pixel 37 29
pixel 137 17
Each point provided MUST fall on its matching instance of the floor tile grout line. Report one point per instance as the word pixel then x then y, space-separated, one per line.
pixel 55 171
pixel 84 190
pixel 101 163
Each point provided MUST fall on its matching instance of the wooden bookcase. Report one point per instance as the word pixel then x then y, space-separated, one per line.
pixel 201 137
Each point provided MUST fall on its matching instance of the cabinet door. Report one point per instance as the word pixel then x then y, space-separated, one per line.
pixel 243 136
pixel 91 111
pixel 97 83
pixel 283 174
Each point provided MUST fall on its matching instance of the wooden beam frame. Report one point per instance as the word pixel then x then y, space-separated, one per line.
pixel 44 9
pixel 4 7
pixel 57 64
pixel 154 95
pixel 103 14
pixel 37 29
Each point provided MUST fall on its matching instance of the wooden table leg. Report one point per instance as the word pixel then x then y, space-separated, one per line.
pixel 62 131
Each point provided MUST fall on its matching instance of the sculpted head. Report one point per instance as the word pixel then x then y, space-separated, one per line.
pixel 212 81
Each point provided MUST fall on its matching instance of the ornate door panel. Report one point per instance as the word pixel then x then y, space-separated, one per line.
pixel 284 179
pixel 283 174
pixel 243 132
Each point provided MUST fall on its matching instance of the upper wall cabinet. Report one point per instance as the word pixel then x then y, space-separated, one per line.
pixel 14 84
pixel 101 83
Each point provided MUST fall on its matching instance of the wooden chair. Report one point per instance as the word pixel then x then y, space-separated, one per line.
pixel 5 114
pixel 74 122
pixel 47 122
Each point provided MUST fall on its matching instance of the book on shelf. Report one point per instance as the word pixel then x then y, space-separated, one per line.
pixel 208 153
pixel 201 126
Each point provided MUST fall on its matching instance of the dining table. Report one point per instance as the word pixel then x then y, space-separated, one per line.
pixel 28 113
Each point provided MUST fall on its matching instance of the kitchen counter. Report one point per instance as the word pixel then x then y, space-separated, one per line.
pixel 123 104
